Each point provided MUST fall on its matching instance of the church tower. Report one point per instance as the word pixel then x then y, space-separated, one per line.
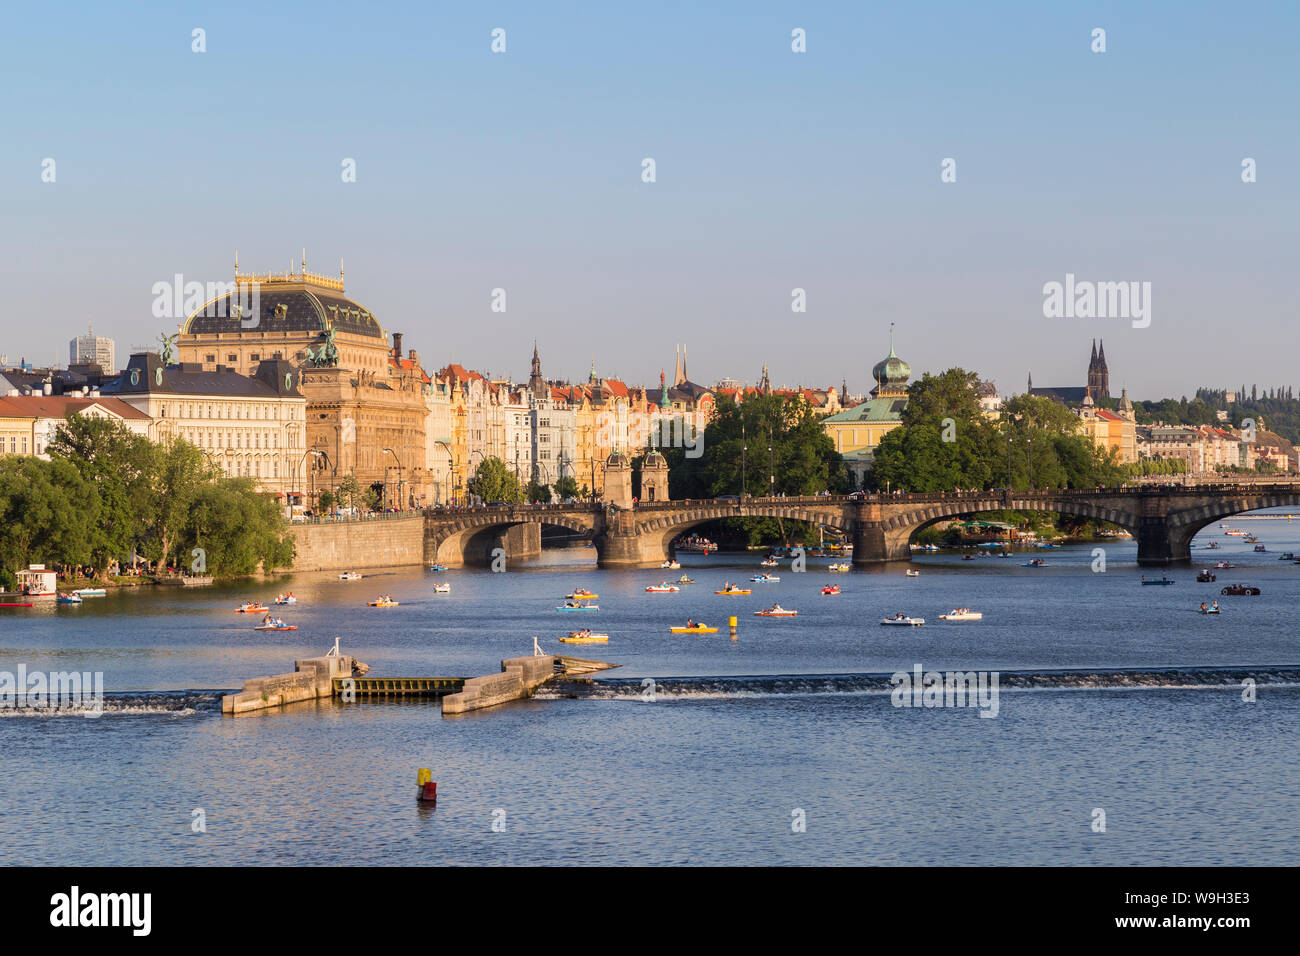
pixel 1098 375
pixel 536 384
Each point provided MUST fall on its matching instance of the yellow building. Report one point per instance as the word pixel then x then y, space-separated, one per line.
pixel 28 423
pixel 1110 430
pixel 857 431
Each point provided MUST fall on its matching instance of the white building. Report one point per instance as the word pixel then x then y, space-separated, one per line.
pixel 252 426
pixel 92 349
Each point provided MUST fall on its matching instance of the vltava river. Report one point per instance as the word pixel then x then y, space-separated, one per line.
pixel 1114 697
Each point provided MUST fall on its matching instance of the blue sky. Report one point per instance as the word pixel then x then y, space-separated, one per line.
pixel 775 170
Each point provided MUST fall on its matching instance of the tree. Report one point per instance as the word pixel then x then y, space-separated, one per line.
pixel 349 492
pixel 120 464
pixel 567 487
pixel 493 481
pixel 179 471
pixel 945 441
pixel 237 528
pixel 537 492
pixel 802 460
pixel 48 513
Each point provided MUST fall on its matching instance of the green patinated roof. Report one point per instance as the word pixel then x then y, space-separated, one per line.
pixel 875 410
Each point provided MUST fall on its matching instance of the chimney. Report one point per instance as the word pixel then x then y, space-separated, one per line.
pixel 47 389
pixel 397 345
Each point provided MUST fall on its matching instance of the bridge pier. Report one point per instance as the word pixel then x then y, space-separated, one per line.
pixel 623 545
pixel 1159 545
pixel 869 546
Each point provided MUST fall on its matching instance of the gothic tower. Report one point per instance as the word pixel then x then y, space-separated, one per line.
pixel 1098 376
pixel 536 384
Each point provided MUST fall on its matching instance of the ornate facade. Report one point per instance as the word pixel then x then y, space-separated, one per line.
pixel 366 401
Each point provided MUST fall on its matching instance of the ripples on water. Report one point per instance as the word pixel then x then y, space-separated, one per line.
pixel 1118 698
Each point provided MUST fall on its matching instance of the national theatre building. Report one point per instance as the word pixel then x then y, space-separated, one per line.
pixel 365 400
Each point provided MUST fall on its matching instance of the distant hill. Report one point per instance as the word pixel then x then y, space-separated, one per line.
pixel 1277 408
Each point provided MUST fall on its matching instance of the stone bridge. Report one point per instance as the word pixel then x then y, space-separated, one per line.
pixel 1163 520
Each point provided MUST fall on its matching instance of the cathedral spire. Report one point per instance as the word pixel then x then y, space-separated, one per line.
pixel 677 372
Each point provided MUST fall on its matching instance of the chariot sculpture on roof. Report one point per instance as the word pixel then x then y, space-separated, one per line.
pixel 326 353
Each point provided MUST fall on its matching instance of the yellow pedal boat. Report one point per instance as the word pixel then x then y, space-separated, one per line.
pixel 577 637
pixel 699 629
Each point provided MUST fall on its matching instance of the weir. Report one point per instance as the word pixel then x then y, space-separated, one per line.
pixel 339 675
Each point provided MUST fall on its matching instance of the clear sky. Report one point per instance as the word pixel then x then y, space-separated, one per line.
pixel 775 170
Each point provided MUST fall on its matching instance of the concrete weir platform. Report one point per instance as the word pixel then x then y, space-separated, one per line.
pixel 338 675
pixel 312 678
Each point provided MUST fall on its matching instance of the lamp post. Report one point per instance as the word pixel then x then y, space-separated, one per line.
pixel 399 476
pixel 451 466
pixel 470 464
pixel 316 454
pixel 771 474
pixel 743 449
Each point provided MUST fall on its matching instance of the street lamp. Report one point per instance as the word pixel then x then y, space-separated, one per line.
pixel 743 449
pixel 451 466
pixel 316 454
pixel 771 474
pixel 399 476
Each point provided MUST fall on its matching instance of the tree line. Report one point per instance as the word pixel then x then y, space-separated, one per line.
pixel 107 495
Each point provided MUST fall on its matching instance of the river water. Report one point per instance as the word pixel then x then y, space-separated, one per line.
pixel 1116 702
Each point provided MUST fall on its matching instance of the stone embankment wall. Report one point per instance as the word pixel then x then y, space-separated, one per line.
pixel 347 545
pixel 519 677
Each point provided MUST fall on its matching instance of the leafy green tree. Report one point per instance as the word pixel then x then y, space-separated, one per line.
pixel 802 460
pixel 493 481
pixel 326 499
pixel 120 464
pixel 179 471
pixel 349 492
pixel 238 528
pixel 566 487
pixel 537 491
pixel 945 441
pixel 48 513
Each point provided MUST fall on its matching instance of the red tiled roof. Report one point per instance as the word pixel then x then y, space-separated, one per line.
pixel 61 406
pixel 460 372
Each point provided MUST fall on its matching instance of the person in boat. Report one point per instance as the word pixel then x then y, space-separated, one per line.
pixel 690 623
pixel 267 619
pixel 1215 606
pixel 1204 606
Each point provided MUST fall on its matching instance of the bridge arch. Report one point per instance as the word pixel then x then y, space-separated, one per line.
pixel 471 537
pixel 663 529
pixel 894 533
pixel 1184 523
